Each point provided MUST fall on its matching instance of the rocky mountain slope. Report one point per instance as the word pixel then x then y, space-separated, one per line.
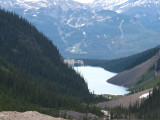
pixel 140 77
pixel 130 77
pixel 141 106
pixel 82 31
pixel 124 101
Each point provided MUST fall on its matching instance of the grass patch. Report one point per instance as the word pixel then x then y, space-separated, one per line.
pixel 4 69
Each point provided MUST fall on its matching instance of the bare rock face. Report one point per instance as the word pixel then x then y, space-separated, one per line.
pixel 29 115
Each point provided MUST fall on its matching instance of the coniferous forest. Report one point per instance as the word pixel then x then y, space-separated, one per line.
pixel 149 109
pixel 33 75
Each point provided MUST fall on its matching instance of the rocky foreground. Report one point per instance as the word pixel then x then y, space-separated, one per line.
pixel 30 115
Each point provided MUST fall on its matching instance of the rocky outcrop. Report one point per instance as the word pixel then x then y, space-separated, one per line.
pixel 78 116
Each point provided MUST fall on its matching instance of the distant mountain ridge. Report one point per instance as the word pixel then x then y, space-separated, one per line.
pixel 146 11
pixel 84 31
pixel 122 5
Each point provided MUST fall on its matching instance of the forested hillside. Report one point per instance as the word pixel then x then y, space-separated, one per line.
pixel 149 109
pixel 119 65
pixel 32 74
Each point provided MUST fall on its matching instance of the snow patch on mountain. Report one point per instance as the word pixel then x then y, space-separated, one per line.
pixel 120 6
pixel 84 1
pixel 120 27
pixel 80 28
pixel 108 4
pixel 77 25
pixel 84 33
pixel 103 19
pixel 76 49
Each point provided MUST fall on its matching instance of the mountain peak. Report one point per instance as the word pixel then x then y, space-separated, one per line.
pixel 120 5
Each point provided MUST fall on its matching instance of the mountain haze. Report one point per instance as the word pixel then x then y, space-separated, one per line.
pixel 146 11
pixel 85 31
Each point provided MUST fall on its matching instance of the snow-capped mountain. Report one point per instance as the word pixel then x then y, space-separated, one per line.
pixel 147 11
pixel 122 5
pixel 86 30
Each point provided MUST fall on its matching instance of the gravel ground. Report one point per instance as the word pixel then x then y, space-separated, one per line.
pixel 29 115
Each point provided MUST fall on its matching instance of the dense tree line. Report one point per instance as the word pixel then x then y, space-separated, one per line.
pixel 149 109
pixel 32 71
pixel 121 64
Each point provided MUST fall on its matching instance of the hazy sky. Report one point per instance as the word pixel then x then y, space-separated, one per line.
pixel 84 1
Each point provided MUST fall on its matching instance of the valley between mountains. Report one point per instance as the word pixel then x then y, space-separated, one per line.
pixel 65 59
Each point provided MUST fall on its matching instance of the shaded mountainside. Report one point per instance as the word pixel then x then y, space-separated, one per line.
pixel 130 77
pixel 32 74
pixel 122 64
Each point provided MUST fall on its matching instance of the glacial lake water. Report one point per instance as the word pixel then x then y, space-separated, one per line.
pixel 97 77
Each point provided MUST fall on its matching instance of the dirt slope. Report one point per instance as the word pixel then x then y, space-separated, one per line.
pixel 124 101
pixel 30 115
pixel 129 78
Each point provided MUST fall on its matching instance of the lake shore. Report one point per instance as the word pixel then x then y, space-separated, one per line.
pixel 97 77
